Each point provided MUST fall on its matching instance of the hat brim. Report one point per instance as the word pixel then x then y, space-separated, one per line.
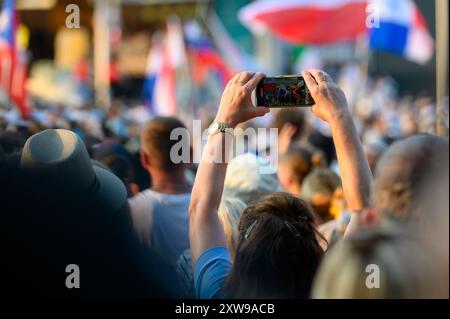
pixel 112 193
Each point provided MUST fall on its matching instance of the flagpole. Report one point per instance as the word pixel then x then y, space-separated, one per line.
pixel 106 13
pixel 363 57
pixel 441 7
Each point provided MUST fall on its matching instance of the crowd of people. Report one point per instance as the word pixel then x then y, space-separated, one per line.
pixel 356 191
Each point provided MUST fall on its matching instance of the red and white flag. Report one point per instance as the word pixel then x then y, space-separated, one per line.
pixel 307 21
pixel 165 57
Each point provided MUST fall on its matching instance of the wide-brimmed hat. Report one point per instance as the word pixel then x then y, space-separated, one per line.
pixel 60 156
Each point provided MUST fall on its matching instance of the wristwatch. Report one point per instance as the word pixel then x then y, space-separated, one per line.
pixel 219 127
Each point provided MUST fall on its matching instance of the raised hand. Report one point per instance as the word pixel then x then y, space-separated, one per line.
pixel 330 99
pixel 236 105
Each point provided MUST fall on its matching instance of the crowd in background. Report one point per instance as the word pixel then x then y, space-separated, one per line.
pixel 150 241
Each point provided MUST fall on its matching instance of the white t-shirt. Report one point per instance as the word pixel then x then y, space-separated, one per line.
pixel 162 222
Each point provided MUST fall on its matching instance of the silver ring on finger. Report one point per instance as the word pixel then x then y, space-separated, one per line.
pixel 323 77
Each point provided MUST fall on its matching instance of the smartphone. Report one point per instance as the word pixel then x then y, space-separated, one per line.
pixel 283 91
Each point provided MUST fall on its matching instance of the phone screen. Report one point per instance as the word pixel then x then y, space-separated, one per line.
pixel 283 91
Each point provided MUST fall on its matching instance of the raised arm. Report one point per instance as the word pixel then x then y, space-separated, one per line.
pixel 331 106
pixel 206 230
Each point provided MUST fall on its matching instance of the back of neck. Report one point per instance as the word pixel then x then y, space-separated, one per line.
pixel 170 183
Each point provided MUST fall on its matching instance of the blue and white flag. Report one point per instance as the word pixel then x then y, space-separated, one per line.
pixel 401 30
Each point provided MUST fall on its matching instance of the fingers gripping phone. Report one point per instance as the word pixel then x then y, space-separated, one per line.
pixel 283 91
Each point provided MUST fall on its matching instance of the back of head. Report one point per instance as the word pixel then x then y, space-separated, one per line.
pixel 374 264
pixel 249 178
pixel 278 250
pixel 298 162
pixel 318 189
pixel 323 143
pixel 12 141
pixel 373 152
pixel 110 148
pixel 156 142
pixel 293 116
pixel 409 178
pixel 120 166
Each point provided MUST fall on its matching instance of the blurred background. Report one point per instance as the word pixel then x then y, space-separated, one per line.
pixel 90 61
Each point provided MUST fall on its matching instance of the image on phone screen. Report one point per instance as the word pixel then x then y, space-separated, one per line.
pixel 283 91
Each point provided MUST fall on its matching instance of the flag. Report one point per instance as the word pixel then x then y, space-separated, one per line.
pixel 307 21
pixel 165 56
pixel 401 30
pixel 205 57
pixel 165 99
pixel 13 71
pixel 153 70
pixel 175 42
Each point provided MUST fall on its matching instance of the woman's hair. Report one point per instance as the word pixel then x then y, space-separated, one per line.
pixel 374 264
pixel 230 211
pixel 278 250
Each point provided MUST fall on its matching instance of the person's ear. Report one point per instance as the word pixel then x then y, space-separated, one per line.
pixel 144 159
pixel 134 188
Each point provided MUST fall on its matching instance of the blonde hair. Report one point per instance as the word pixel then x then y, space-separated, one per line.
pixel 398 259
pixel 230 211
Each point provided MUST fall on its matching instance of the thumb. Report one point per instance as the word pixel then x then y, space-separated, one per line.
pixel 259 111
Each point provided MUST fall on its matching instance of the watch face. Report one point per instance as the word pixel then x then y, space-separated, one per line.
pixel 213 128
